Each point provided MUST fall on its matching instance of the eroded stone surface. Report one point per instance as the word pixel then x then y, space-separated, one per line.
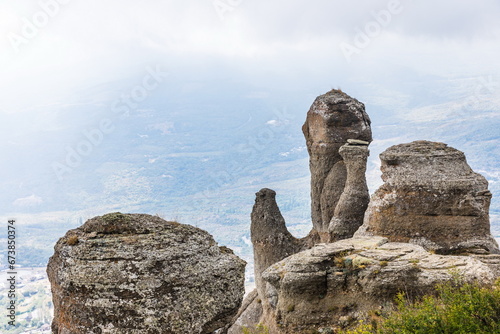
pixel 337 284
pixel 249 315
pixel 270 238
pixel 332 119
pixel 431 197
pixel 136 273
pixel 351 206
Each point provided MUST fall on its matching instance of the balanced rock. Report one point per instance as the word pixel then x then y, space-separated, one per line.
pixel 136 273
pixel 335 285
pixel 332 119
pixel 431 197
pixel 350 209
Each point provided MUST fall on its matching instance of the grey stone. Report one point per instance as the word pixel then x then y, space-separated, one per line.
pixel 433 198
pixel 250 314
pixel 270 238
pixel 337 284
pixel 332 119
pixel 351 206
pixel 136 273
pixel 357 142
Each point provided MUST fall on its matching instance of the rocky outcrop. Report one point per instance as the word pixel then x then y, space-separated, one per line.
pixel 332 119
pixel 249 315
pixel 135 273
pixel 270 238
pixel 427 223
pixel 334 285
pixel 431 197
pixel 351 206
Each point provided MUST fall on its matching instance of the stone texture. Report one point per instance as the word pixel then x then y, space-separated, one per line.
pixel 135 273
pixel 431 197
pixel 332 119
pixel 351 206
pixel 249 315
pixel 335 285
pixel 270 238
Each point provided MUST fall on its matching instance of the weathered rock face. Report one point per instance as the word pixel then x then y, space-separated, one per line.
pixel 249 315
pixel 135 273
pixel 270 238
pixel 350 209
pixel 332 119
pixel 431 197
pixel 334 285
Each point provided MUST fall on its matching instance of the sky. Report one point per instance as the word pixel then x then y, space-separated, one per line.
pixel 51 48
pixel 397 54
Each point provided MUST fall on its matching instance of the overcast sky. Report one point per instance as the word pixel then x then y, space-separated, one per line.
pixel 50 48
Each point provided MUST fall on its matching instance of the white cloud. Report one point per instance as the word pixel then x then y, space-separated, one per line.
pixel 29 201
pixel 287 42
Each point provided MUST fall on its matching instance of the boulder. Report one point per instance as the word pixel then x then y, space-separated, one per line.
pixel 333 119
pixel 136 273
pixel 335 285
pixel 431 197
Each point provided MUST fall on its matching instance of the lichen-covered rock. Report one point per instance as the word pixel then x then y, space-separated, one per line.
pixel 136 273
pixel 334 285
pixel 431 197
pixel 332 119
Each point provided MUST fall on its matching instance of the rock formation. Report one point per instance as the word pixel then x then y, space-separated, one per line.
pixel 431 197
pixel 338 133
pixel 140 274
pixel 270 238
pixel 431 201
pixel 136 273
pixel 249 315
pixel 351 206
pixel 332 119
pixel 334 285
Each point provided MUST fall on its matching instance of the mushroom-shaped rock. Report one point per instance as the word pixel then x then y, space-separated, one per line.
pixel 350 209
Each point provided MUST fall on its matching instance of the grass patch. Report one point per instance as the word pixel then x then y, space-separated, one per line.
pixel 457 308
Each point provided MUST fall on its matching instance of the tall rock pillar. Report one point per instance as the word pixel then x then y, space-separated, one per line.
pixel 270 238
pixel 352 204
pixel 332 119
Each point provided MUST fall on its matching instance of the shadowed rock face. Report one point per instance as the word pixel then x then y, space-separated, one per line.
pixel 431 197
pixel 136 273
pixel 332 119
